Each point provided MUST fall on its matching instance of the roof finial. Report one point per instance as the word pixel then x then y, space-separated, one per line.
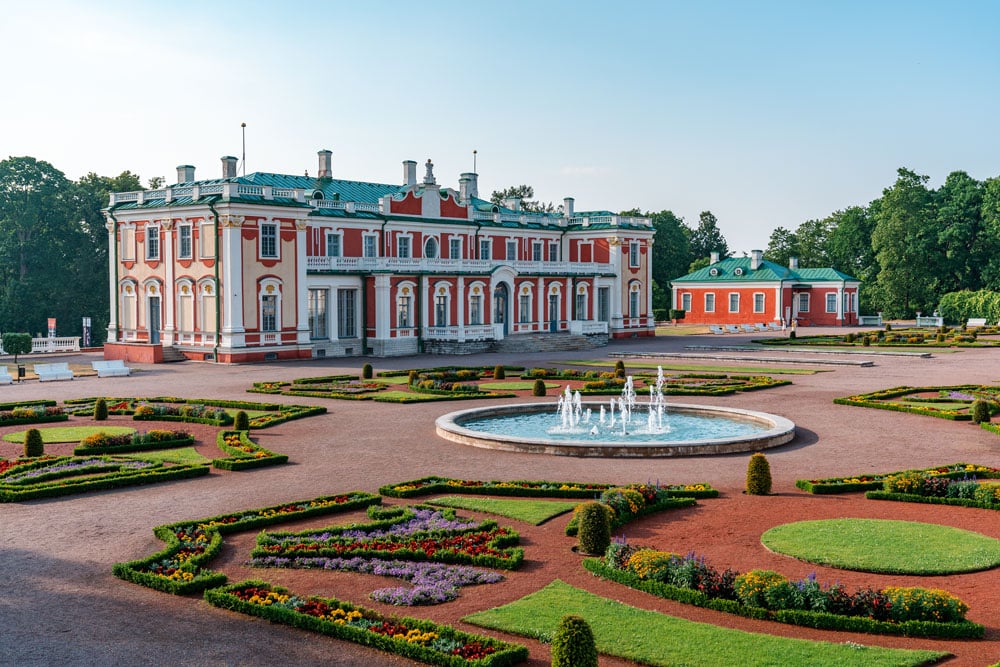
pixel 429 176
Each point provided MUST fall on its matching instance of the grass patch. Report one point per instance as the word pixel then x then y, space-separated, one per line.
pixel 652 638
pixel 883 546
pixel 515 385
pixel 392 379
pixel 692 368
pixel 181 455
pixel 58 434
pixel 534 512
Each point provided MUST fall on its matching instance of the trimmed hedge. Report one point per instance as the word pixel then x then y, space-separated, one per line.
pixel 239 458
pixel 109 480
pixel 617 521
pixel 140 443
pixel 930 500
pixel 812 619
pixel 139 571
pixel 45 403
pixel 874 481
pixel 483 651
pixel 525 488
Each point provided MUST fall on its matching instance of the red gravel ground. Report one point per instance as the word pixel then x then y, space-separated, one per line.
pixel 61 605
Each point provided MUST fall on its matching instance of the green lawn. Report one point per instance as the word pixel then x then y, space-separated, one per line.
pixel 186 455
pixel 890 547
pixel 393 379
pixel 514 385
pixel 651 638
pixel 56 434
pixel 669 366
pixel 530 511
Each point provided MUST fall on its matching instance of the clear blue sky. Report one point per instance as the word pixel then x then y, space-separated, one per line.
pixel 766 113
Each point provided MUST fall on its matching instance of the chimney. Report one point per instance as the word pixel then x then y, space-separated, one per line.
pixel 756 258
pixel 228 166
pixel 409 172
pixel 468 184
pixel 793 263
pixel 185 173
pixel 513 203
pixel 325 164
pixel 713 257
pixel 568 206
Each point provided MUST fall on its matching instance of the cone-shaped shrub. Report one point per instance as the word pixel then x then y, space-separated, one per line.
pixel 849 338
pixel 100 410
pixel 33 444
pixel 573 644
pixel 366 372
pixel 242 421
pixel 791 333
pixel 980 412
pixel 413 377
pixel 539 388
pixel 498 372
pixel 866 341
pixel 594 529
pixel 619 369
pixel 758 475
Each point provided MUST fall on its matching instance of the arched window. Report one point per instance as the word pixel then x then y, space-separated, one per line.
pixel 431 248
pixel 269 304
pixel 442 304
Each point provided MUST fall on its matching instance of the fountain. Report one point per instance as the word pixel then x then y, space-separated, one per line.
pixel 623 427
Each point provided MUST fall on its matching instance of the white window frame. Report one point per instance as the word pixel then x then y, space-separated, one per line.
pixel 709 302
pixel 537 253
pixel 369 246
pixel 455 247
pixel 686 301
pixel 831 299
pixel 185 233
pixel 270 231
pixel 512 246
pixel 319 313
pixel 759 302
pixel 634 302
pixel 347 322
pixel 486 244
pixel 734 299
pixel 153 242
pixel 803 299
pixel 432 248
pixel 404 246
pixel 338 237
pixel 553 251
pixel 404 311
pixel 633 255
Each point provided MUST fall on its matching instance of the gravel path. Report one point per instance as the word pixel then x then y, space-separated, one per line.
pixel 61 605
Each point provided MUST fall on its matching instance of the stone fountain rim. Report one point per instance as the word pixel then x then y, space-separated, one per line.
pixel 780 431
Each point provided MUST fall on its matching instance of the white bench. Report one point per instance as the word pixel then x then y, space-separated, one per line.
pixel 48 372
pixel 732 328
pixel 111 368
pixel 869 320
pixel 976 322
pixel 716 329
pixel 5 376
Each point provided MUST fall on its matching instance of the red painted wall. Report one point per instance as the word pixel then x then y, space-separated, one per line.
pixel 816 316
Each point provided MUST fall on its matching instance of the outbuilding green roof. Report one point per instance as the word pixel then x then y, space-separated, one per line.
pixel 737 269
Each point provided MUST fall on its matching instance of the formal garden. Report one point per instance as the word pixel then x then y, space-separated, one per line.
pixel 895 337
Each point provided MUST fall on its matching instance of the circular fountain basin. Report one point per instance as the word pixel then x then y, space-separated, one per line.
pixel 741 431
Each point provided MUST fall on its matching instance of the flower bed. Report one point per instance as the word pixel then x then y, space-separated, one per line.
pixel 180 567
pixel 420 533
pixel 416 639
pixel 244 454
pixel 543 489
pixel 926 487
pixel 763 594
pixel 196 410
pixel 631 502
pixel 48 477
pixel 103 443
pixel 951 407
pixel 873 482
pixel 13 414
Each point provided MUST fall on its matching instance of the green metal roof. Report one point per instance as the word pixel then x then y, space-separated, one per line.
pixel 737 269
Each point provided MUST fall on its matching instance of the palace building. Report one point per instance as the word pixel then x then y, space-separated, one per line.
pixel 272 266
pixel 752 290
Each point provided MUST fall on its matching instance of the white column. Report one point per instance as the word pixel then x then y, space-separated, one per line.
pixel 540 309
pixel 231 289
pixel 619 285
pixel 593 297
pixel 426 294
pixel 840 304
pixel 169 293
pixel 115 299
pixel 460 308
pixel 570 301
pixel 779 307
pixel 383 306
pixel 301 285
pixel 647 284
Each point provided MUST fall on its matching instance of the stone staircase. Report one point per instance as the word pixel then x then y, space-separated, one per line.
pixel 548 342
pixel 172 355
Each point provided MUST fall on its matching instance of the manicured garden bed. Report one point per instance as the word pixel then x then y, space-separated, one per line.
pixel 56 434
pixel 244 453
pixel 105 441
pixel 528 488
pixel 875 481
pixel 30 412
pixel 953 402
pixel 196 410
pixel 535 512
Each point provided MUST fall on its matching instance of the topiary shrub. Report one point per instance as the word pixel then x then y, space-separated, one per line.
pixel 412 377
pixel 866 341
pixel 940 338
pixel 33 444
pixel 619 369
pixel 366 372
pixel 849 338
pixel 100 410
pixel 980 411
pixel 498 372
pixel 791 334
pixel 758 475
pixel 594 531
pixel 242 421
pixel 539 388
pixel 573 644
pixel 888 327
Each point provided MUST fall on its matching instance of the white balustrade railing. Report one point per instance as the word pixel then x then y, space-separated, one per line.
pixel 270 338
pixel 587 327
pixel 437 265
pixel 457 333
pixel 43 345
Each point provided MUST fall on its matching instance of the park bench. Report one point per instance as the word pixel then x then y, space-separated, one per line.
pixel 976 322
pixel 111 368
pixel 716 329
pixel 748 328
pixel 732 328
pixel 46 372
pixel 870 320
pixel 5 376
pixel 775 326
pixel 760 327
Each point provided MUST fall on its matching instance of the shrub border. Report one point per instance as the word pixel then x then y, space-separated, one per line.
pixel 928 500
pixel 531 489
pixel 241 460
pixel 82 450
pixel 831 485
pixel 111 480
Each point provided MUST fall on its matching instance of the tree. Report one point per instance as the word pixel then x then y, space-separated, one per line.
pixel 990 213
pixel 706 238
pixel 17 343
pixel 671 252
pixel 963 248
pixel 526 194
pixel 155 183
pixel 904 243
pixel 811 242
pixel 849 248
pixel 782 246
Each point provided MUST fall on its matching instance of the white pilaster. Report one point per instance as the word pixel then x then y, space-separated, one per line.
pixel 840 304
pixel 113 295
pixel 619 285
pixel 169 293
pixel 302 332
pixel 542 302
pixel 460 308
pixel 383 307
pixel 231 289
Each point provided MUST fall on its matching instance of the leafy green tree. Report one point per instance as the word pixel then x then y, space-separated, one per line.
pixel 961 245
pixel 526 194
pixel 707 238
pixel 849 248
pixel 812 238
pixel 782 246
pixel 904 242
pixel 17 344
pixel 671 252
pixel 990 234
